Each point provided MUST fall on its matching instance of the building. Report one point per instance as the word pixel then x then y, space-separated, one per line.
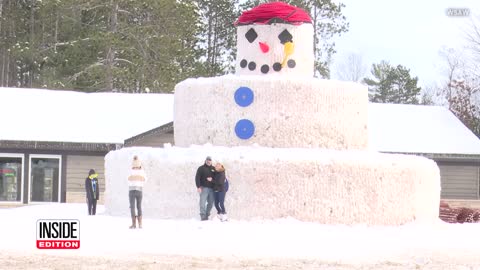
pixel 50 139
pixel 433 132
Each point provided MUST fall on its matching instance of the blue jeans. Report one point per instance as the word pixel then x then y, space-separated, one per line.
pixel 206 202
pixel 219 202
pixel 135 195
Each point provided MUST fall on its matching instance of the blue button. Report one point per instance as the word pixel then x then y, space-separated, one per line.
pixel 244 129
pixel 244 96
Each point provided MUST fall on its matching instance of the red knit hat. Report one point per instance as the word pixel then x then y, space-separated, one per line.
pixel 274 12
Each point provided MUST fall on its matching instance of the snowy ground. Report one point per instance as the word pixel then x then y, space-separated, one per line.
pixel 107 243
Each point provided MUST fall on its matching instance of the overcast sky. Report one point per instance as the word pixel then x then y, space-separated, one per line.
pixel 406 32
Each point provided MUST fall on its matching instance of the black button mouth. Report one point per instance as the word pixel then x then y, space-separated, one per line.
pixel 243 63
pixel 264 69
pixel 277 66
pixel 291 63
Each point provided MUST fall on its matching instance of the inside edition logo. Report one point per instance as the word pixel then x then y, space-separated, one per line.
pixel 58 234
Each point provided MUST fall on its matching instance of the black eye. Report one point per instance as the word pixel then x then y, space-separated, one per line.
pixel 285 37
pixel 251 35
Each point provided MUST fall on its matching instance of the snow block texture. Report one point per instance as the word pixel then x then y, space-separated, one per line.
pixel 285 112
pixel 326 186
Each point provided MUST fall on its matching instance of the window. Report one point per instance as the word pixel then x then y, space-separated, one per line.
pixel 11 178
pixel 44 178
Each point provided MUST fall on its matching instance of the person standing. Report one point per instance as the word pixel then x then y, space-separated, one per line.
pixel 136 180
pixel 204 183
pixel 92 191
pixel 220 191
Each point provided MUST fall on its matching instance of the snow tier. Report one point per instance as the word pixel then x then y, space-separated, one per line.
pixel 326 186
pixel 285 112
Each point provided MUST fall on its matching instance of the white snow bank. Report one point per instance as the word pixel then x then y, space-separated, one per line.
pixel 102 235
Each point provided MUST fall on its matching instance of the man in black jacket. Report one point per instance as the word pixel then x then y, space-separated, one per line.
pixel 204 183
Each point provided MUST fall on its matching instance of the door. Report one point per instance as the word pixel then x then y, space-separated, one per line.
pixel 45 178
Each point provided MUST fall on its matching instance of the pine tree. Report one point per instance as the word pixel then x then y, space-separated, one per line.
pixel 219 36
pixel 142 45
pixel 97 45
pixel 16 37
pixel 392 85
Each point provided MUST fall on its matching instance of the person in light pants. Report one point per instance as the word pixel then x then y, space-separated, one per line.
pixel 136 180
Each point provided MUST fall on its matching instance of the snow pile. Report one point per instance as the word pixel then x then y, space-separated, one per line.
pixel 285 112
pixel 410 245
pixel 328 186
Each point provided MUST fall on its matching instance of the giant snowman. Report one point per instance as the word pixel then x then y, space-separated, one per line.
pixel 293 146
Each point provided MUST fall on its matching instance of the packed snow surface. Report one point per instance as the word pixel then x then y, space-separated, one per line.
pixel 103 235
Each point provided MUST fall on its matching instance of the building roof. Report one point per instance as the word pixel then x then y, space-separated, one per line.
pixel 419 129
pixel 68 116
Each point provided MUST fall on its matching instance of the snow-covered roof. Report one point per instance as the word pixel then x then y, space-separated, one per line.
pixel 419 129
pixel 67 116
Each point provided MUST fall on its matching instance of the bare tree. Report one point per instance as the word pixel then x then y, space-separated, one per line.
pixel 460 89
pixel 473 37
pixel 464 105
pixel 352 68
pixel 454 70
pixel 429 95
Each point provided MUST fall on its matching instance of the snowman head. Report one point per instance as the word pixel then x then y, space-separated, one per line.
pixel 274 39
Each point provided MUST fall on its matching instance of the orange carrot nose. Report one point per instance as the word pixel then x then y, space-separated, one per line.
pixel 264 47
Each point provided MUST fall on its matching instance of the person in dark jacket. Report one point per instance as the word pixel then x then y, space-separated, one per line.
pixel 92 191
pixel 219 190
pixel 204 183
